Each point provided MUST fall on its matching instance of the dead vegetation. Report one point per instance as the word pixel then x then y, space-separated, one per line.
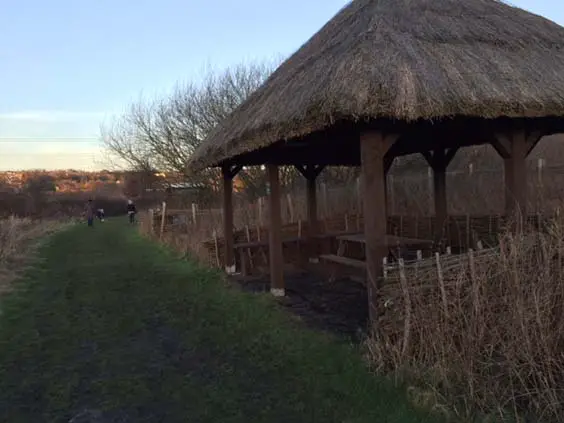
pixel 19 239
pixel 486 334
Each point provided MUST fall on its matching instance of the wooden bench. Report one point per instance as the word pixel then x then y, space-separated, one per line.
pixel 346 261
pixel 244 249
pixel 392 242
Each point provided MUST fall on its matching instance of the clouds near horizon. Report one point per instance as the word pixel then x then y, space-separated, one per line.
pixel 50 139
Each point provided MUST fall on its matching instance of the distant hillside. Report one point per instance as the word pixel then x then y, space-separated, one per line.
pixel 61 180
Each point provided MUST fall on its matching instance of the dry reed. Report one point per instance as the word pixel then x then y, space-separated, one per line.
pixel 18 239
pixel 484 331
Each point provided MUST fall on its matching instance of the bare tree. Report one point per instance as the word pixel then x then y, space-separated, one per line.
pixel 162 134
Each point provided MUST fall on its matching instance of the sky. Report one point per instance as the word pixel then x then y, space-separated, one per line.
pixel 68 66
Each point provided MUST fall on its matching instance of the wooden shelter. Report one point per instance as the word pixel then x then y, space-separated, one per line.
pixel 386 78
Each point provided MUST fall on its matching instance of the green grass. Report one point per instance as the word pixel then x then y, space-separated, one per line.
pixel 111 322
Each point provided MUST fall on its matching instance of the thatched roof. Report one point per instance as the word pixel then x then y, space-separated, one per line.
pixel 403 60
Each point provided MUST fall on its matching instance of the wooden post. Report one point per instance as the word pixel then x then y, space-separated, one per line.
pixel 519 182
pixel 151 222
pixel 228 222
pixel 439 185
pixel 229 173
pixel 311 173
pixel 407 306
pixel 290 208
pixel 216 246
pixel 275 241
pixel 540 185
pixel 260 213
pixel 508 180
pixel 194 213
pixel 312 218
pixel 438 160
pixel 441 284
pixel 163 220
pixel 373 148
pixel 514 146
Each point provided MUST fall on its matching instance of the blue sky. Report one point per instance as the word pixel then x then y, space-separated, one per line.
pixel 69 65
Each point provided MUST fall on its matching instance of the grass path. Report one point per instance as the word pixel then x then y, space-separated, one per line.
pixel 110 322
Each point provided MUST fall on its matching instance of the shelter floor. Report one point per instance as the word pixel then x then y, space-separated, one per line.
pixel 339 306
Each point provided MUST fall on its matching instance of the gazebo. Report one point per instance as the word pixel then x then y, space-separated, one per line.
pixel 386 78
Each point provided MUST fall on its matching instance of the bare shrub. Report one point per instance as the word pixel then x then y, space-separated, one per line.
pixel 481 332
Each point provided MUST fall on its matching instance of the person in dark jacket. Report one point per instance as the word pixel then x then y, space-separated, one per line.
pixel 131 211
pixel 89 212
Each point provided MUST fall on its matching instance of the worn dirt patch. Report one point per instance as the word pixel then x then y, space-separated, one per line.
pixel 339 306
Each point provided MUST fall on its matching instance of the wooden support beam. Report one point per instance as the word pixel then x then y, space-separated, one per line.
pixel 438 160
pixel 311 172
pixel 441 205
pixel 373 147
pixel 231 170
pixel 275 240
pixel 313 221
pixel 388 162
pixel 440 157
pixel 228 230
pixel 514 147
pixel 518 175
pixel 508 184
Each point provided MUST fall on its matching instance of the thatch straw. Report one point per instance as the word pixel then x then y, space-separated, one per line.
pixel 404 60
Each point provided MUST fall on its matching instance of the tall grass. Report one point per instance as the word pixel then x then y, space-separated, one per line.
pixel 18 239
pixel 488 336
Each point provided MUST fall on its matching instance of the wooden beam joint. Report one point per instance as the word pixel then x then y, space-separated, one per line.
pixel 310 172
pixel 518 143
pixel 230 171
pixel 439 158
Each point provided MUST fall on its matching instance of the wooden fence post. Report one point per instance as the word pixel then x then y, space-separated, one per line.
pixel 474 281
pixel 260 212
pixel 151 222
pixel 216 245
pixel 540 187
pixel 441 284
pixel 163 220
pixel 194 213
pixel 407 304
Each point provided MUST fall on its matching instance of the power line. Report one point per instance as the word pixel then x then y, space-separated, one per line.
pixel 54 139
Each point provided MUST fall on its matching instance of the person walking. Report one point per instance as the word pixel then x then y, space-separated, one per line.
pixel 89 212
pixel 131 211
